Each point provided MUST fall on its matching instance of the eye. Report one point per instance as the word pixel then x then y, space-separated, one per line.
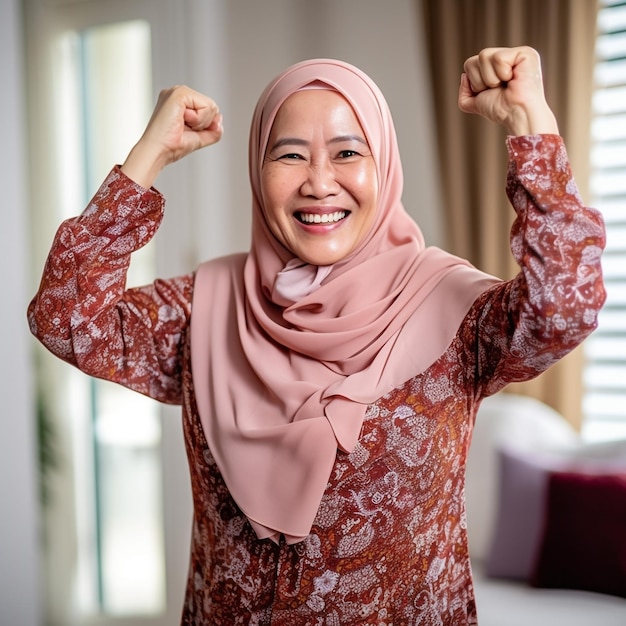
pixel 290 155
pixel 287 157
pixel 346 154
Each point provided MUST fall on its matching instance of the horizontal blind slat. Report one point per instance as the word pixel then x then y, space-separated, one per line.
pixel 604 377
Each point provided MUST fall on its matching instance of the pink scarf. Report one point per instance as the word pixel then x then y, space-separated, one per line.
pixel 286 357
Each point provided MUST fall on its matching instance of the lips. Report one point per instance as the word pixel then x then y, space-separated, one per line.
pixel 321 218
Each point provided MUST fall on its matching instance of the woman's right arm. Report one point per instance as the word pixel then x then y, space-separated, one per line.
pixel 82 312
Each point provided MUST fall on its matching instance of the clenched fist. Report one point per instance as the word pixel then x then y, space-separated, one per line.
pixel 183 120
pixel 504 85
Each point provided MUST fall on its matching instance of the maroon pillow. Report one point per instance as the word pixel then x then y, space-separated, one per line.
pixel 584 539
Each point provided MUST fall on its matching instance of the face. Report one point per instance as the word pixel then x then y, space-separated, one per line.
pixel 318 183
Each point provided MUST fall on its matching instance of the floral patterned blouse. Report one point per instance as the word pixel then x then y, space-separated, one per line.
pixel 389 543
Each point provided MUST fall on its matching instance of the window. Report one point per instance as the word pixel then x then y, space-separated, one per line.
pixel 104 102
pixel 116 528
pixel 605 372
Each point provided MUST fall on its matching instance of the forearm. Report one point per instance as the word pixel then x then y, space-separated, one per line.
pixel 556 239
pixel 552 305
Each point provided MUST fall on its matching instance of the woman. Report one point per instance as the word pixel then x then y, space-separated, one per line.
pixel 330 377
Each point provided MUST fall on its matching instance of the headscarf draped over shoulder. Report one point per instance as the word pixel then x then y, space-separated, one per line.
pixel 286 357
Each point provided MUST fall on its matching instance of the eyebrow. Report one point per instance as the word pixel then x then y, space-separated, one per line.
pixel 295 141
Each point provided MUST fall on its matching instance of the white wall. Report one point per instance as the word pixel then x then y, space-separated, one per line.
pixel 19 567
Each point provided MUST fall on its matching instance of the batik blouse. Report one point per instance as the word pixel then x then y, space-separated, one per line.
pixel 389 542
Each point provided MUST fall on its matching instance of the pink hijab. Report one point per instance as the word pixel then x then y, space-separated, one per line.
pixel 286 357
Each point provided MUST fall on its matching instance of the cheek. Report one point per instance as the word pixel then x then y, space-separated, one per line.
pixel 366 184
pixel 270 194
pixel 275 189
pixel 266 186
pixel 275 196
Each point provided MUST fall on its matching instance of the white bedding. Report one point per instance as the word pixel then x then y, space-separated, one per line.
pixel 503 603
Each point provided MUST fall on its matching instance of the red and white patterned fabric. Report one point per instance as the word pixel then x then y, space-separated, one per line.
pixel 389 543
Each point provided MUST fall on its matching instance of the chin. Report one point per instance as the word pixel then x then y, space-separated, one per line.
pixel 322 259
pixel 319 257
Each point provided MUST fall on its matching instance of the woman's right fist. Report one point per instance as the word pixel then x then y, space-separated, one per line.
pixel 183 121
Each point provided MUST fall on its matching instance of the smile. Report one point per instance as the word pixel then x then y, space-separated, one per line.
pixel 324 218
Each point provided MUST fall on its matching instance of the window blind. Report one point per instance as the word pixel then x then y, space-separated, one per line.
pixel 604 405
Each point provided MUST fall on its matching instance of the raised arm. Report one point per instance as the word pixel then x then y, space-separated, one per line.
pixel 521 327
pixel 82 311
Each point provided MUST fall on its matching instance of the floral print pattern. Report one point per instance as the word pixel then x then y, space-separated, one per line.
pixel 389 543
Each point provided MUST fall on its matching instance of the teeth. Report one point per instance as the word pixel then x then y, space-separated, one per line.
pixel 326 218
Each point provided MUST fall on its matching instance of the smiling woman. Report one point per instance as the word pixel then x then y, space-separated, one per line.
pixel 329 377
pixel 319 184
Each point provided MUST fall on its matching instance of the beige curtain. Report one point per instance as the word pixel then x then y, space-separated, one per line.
pixel 472 155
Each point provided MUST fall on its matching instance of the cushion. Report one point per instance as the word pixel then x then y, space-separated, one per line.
pixel 584 540
pixel 581 490
pixel 520 515
pixel 505 419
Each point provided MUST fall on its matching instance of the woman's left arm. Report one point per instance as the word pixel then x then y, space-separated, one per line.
pixel 523 326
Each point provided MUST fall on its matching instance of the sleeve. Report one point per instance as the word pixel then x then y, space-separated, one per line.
pixel 82 312
pixel 521 327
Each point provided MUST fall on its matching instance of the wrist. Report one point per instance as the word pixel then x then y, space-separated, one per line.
pixel 532 121
pixel 144 163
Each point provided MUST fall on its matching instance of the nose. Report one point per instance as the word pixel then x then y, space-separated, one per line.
pixel 321 180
